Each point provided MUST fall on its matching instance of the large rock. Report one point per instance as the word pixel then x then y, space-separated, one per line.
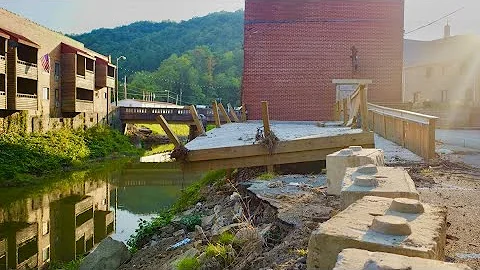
pixel 109 255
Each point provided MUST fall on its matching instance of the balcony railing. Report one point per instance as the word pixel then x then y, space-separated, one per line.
pixel 3 100
pixel 27 70
pixel 86 81
pixel 3 65
pixel 110 82
pixel 26 95
pixel 83 105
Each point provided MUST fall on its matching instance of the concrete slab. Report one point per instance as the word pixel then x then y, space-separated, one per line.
pixel 240 134
pixel 355 228
pixel 381 181
pixel 355 156
pixel 356 259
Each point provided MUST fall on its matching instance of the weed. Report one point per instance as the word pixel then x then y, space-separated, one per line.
pixel 226 238
pixel 188 264
pixel 301 252
pixel 72 265
pixel 267 176
pixel 217 250
pixel 163 148
pixel 191 221
pixel 426 171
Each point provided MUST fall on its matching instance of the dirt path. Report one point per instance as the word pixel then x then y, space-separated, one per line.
pixel 457 187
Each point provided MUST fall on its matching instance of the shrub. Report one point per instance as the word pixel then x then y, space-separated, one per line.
pixel 191 221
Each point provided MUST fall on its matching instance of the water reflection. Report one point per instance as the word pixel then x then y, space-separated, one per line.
pixel 67 218
pixel 57 225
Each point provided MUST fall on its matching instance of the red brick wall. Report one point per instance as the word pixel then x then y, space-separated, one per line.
pixel 295 48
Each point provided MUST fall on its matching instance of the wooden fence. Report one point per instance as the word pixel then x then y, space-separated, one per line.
pixel 411 130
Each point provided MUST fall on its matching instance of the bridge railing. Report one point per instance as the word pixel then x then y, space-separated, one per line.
pixel 170 114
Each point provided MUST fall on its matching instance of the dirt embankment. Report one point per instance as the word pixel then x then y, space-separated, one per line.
pixel 271 221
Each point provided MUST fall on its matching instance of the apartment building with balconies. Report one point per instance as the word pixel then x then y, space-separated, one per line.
pixel 51 76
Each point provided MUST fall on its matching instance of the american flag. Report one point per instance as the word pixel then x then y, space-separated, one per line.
pixel 46 63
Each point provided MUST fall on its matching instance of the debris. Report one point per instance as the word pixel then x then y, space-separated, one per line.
pixel 179 244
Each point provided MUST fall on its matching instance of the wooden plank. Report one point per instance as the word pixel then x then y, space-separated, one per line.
pixel 196 119
pixel 173 138
pixel 232 113
pixel 431 138
pixel 244 113
pixel 364 107
pixel 224 113
pixel 339 141
pixel 265 118
pixel 218 124
pixel 345 111
pixel 264 160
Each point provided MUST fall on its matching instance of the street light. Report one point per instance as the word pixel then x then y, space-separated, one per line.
pixel 116 84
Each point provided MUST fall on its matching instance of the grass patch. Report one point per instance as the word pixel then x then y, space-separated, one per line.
pixel 190 196
pixel 72 265
pixel 226 238
pixel 188 264
pixel 163 148
pixel 28 158
pixel 178 129
pixel 267 176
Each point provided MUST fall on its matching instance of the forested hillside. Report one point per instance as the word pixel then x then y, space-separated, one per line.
pixel 199 59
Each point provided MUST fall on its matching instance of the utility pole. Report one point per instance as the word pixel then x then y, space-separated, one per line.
pixel 176 101
pixel 181 93
pixel 125 87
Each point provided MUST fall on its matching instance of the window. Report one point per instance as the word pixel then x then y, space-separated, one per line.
pixel 46 93
pixel 46 254
pixel 444 95
pixel 45 227
pixel 57 94
pixel 57 71
pixel 429 72
pixel 105 96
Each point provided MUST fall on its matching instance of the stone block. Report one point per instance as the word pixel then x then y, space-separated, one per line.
pixel 400 226
pixel 356 259
pixel 370 180
pixel 354 156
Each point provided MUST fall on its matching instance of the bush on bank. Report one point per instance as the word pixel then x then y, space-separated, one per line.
pixel 25 157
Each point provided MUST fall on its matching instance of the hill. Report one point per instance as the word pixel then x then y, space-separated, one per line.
pixel 147 44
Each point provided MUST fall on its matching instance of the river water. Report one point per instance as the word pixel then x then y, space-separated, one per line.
pixel 68 216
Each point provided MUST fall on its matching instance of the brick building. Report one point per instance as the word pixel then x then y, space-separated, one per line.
pixel 52 77
pixel 295 49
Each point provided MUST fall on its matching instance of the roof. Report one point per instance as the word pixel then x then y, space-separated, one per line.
pixel 70 49
pixel 19 38
pixel 455 48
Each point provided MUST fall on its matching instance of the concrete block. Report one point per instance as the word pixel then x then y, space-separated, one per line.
pixel 400 226
pixel 354 156
pixel 356 259
pixel 370 180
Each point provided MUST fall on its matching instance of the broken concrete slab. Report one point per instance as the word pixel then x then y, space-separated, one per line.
pixel 370 180
pixel 356 259
pixel 355 156
pixel 352 228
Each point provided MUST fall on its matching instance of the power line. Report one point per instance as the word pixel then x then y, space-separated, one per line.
pixel 433 22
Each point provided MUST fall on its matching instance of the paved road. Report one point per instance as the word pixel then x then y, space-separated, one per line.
pixel 462 138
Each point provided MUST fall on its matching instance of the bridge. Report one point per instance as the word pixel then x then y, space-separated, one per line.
pixel 138 115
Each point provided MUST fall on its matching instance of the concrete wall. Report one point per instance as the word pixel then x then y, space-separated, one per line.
pixel 294 49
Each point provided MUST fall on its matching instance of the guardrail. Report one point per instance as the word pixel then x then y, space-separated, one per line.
pixel 26 63
pixel 414 131
pixel 26 95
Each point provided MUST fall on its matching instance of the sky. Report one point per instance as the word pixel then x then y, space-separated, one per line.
pixel 79 16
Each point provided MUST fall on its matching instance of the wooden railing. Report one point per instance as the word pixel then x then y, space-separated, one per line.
pixel 411 130
pixel 172 115
pixel 414 131
pixel 26 95
pixel 27 70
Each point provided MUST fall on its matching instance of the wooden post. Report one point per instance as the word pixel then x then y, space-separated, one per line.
pixel 244 113
pixel 224 113
pixel 218 124
pixel 364 107
pixel 345 111
pixel 196 119
pixel 232 113
pixel 431 138
pixel 266 118
pixel 173 138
